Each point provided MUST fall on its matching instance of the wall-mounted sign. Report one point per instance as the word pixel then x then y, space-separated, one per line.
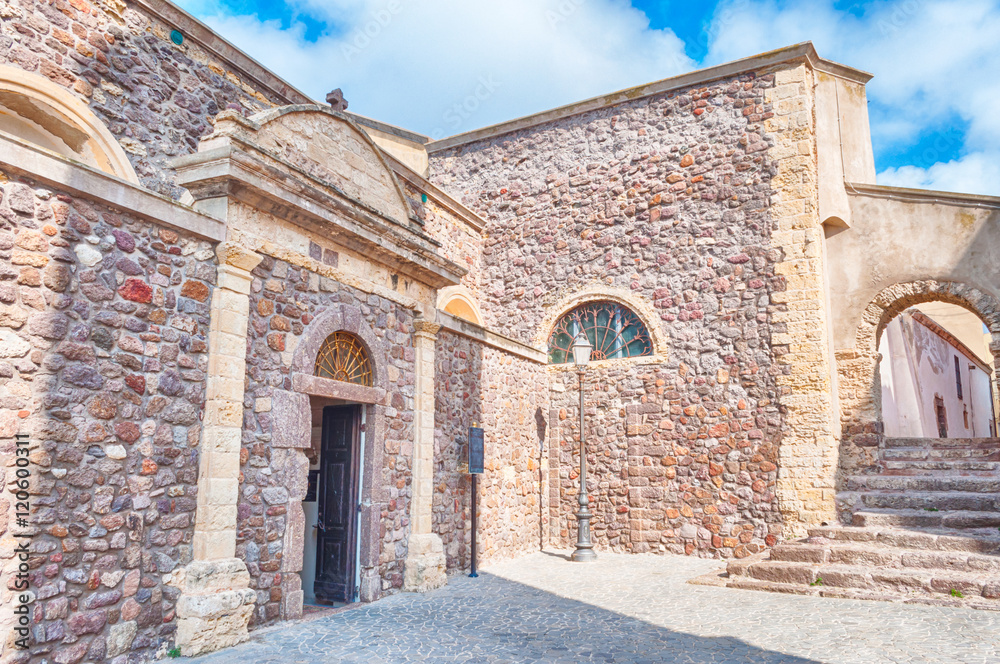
pixel 477 450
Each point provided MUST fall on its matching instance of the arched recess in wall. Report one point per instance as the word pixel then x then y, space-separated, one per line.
pixel 642 310
pixel 459 301
pixel 36 110
pixel 858 375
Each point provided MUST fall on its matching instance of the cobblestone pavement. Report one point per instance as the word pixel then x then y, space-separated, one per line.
pixel 633 609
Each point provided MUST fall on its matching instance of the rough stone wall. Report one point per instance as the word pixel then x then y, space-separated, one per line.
pixel 508 397
pixel 666 197
pixel 103 323
pixel 459 241
pixel 284 299
pixel 157 98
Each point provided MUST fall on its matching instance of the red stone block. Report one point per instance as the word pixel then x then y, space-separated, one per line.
pixel 136 291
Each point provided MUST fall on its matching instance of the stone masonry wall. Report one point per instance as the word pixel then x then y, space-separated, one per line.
pixel 459 241
pixel 668 198
pixel 156 97
pixel 284 299
pixel 103 353
pixel 508 397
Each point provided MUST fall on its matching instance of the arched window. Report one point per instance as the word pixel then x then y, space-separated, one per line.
pixel 342 357
pixel 613 330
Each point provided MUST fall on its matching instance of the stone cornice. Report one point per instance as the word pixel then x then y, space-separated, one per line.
pixel 468 329
pixel 441 197
pixel 804 52
pixel 47 168
pixel 260 76
pixel 234 168
pixel 905 195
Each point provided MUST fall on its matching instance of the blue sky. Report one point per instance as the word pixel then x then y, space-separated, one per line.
pixel 441 67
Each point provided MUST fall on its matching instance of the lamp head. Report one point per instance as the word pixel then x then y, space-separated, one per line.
pixel 581 350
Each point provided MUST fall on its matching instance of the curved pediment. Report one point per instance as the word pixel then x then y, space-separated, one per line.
pixel 330 148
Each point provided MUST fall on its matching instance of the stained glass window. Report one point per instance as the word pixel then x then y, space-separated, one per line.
pixel 343 358
pixel 613 330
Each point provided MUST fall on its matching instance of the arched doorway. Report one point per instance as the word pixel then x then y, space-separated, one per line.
pixel 912 441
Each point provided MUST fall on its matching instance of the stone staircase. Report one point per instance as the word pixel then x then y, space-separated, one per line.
pixel 925 529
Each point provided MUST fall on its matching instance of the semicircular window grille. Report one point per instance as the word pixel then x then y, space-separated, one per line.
pixel 343 358
pixel 613 330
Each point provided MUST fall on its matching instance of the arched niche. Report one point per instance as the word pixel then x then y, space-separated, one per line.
pixel 36 110
pixel 460 302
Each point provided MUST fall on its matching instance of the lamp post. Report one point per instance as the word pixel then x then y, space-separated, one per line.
pixel 584 547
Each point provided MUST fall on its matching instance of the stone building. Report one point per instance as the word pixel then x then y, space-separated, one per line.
pixel 243 335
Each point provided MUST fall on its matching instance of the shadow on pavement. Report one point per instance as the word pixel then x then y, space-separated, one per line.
pixel 490 620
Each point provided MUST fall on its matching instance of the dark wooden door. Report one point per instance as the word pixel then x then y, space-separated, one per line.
pixel 338 501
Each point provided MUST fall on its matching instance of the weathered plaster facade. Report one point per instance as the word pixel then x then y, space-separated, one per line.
pixel 160 357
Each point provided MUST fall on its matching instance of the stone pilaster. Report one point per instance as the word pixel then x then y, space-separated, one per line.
pixel 425 561
pixel 216 602
pixel 808 451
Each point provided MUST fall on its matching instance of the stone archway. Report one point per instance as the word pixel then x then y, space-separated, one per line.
pixel 35 109
pixel 859 383
pixel 293 409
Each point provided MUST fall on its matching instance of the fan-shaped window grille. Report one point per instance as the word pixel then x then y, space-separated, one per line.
pixel 613 330
pixel 343 358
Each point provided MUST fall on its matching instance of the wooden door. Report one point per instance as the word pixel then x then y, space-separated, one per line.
pixel 338 505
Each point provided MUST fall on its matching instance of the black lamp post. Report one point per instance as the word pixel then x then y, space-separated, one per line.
pixel 584 547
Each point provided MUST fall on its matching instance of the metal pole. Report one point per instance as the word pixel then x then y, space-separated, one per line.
pixel 584 547
pixel 474 574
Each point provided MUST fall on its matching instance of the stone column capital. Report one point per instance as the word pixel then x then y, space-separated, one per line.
pixel 238 256
pixel 426 328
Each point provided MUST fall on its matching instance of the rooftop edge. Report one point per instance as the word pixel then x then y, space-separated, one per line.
pixel 804 50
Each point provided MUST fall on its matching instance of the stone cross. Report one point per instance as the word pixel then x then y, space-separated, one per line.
pixel 336 100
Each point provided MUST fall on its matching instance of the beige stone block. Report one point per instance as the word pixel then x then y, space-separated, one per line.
pixel 234 279
pixel 219 491
pixel 220 439
pixel 231 301
pixel 230 345
pixel 226 367
pixel 213 544
pixel 227 389
pixel 217 518
pixel 224 413
pixel 232 322
pixel 224 465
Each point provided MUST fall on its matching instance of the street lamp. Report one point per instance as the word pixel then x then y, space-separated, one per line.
pixel 584 547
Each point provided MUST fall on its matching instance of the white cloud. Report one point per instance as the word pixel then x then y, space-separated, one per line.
pixel 934 61
pixel 975 173
pixel 452 65
pixel 447 66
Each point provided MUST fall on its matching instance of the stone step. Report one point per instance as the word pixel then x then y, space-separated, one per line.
pixel 936 539
pixel 904 581
pixel 942 443
pixel 950 454
pixel 821 551
pixel 979 485
pixel 941 467
pixel 940 500
pixel 950 519
pixel 749 583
